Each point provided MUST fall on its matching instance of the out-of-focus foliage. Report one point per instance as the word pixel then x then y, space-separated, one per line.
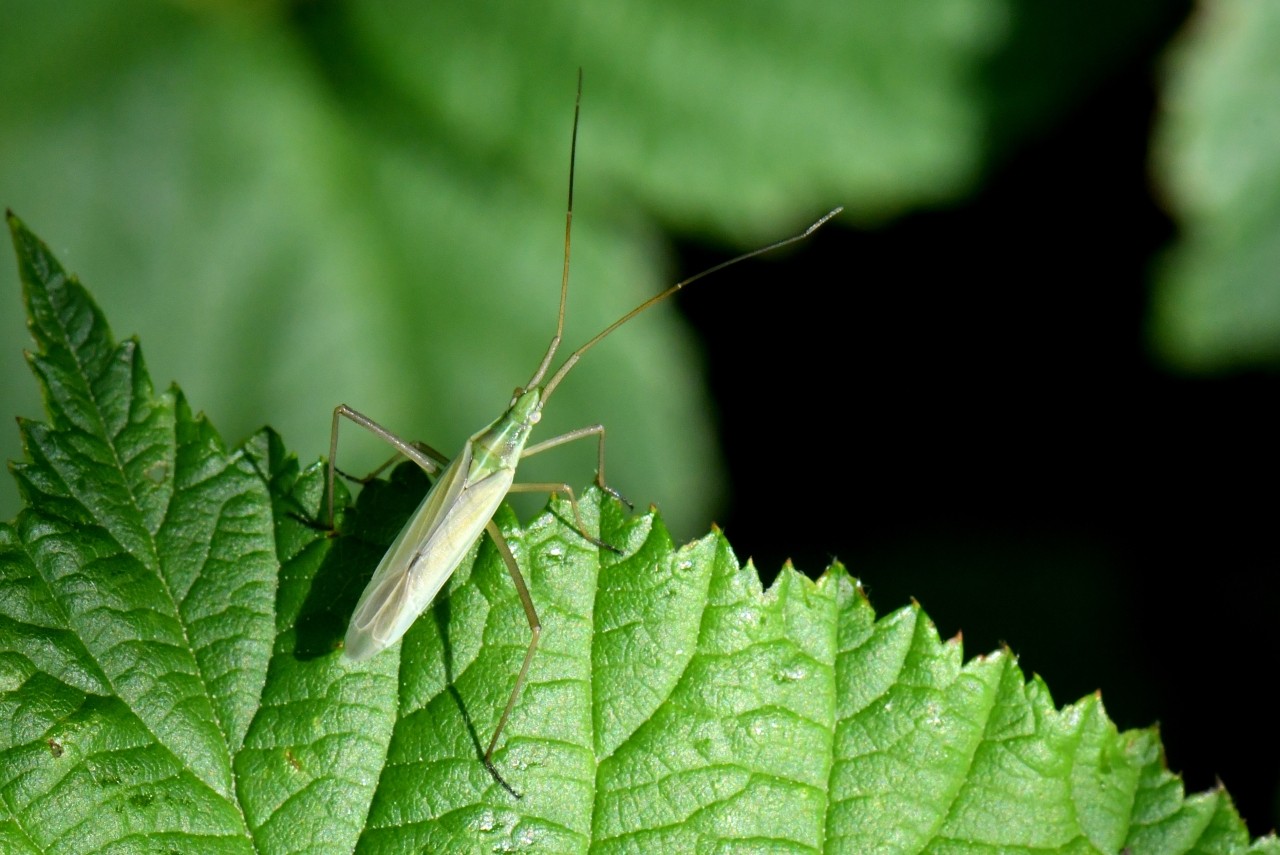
pixel 301 205
pixel 1217 298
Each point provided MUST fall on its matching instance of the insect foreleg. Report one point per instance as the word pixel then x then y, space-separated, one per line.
pixel 551 487
pixel 420 453
pixel 382 467
pixel 535 631
pixel 581 433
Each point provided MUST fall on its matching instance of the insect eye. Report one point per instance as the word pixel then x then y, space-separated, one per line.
pixel 535 417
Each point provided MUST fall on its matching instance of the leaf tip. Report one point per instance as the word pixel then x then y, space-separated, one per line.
pixel 17 229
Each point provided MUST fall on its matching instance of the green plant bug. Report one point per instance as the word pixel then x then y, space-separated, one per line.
pixel 468 489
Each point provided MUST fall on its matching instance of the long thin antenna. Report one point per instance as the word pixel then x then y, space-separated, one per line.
pixel 568 229
pixel 653 301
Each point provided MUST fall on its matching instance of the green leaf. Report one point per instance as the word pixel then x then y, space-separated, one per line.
pixel 171 677
pixel 140 585
pixel 1217 297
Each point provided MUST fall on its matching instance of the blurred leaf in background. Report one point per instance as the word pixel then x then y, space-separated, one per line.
pixel 362 203
pixel 1217 299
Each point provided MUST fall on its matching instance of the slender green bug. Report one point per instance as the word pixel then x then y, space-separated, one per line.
pixel 468 489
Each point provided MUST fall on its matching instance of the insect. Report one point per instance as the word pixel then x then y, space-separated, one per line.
pixel 468 489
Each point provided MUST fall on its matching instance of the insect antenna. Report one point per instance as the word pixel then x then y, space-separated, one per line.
pixel 658 298
pixel 568 229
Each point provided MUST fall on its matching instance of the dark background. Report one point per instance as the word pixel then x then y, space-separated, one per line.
pixel 964 410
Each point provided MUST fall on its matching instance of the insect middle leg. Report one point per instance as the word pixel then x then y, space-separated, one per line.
pixel 573 435
pixel 551 487
pixel 420 453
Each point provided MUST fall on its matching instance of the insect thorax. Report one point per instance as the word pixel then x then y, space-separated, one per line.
pixel 499 445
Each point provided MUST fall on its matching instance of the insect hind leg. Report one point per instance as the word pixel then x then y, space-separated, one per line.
pixel 535 632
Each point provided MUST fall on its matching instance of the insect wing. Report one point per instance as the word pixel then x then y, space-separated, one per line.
pixel 383 608
pixel 424 555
